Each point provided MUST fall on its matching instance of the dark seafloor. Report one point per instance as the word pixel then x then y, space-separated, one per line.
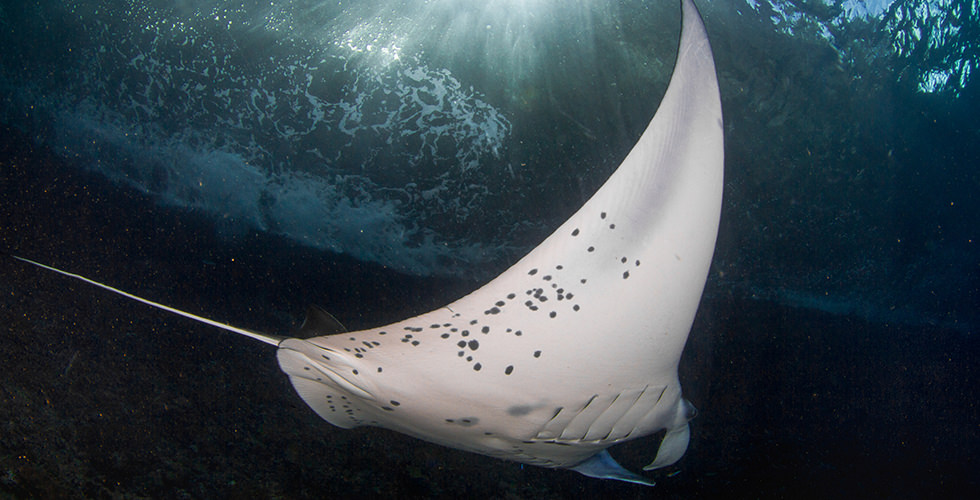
pixel 102 397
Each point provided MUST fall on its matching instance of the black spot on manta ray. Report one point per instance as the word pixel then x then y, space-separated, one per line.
pixel 509 370
pixel 486 329
pixel 474 345
pixel 445 335
pixel 612 226
pixel 477 366
pixel 552 314
pixel 519 410
pixel 510 296
pixel 537 354
pixel 532 272
pixel 591 249
pixel 575 232
pixel 461 343
pixel 626 274
pixel 623 260
pixel 500 303
pixel 602 215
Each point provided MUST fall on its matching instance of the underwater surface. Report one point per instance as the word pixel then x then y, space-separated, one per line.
pixel 380 159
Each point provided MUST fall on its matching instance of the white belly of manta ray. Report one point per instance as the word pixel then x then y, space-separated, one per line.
pixel 573 349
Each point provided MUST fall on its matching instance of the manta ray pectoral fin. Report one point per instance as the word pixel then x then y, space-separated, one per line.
pixel 674 445
pixel 602 466
pixel 319 322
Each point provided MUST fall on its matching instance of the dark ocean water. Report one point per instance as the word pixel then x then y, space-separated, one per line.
pixel 380 160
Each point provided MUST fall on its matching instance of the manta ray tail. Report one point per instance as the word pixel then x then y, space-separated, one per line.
pixel 268 339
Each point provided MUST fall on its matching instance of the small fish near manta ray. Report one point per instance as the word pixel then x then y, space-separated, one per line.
pixel 573 349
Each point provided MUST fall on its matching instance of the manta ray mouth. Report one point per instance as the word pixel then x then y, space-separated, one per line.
pixel 343 383
pixel 303 359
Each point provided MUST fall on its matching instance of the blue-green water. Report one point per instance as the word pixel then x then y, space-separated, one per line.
pixel 446 138
pixel 382 158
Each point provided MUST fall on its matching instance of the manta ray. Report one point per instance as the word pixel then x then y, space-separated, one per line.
pixel 574 348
